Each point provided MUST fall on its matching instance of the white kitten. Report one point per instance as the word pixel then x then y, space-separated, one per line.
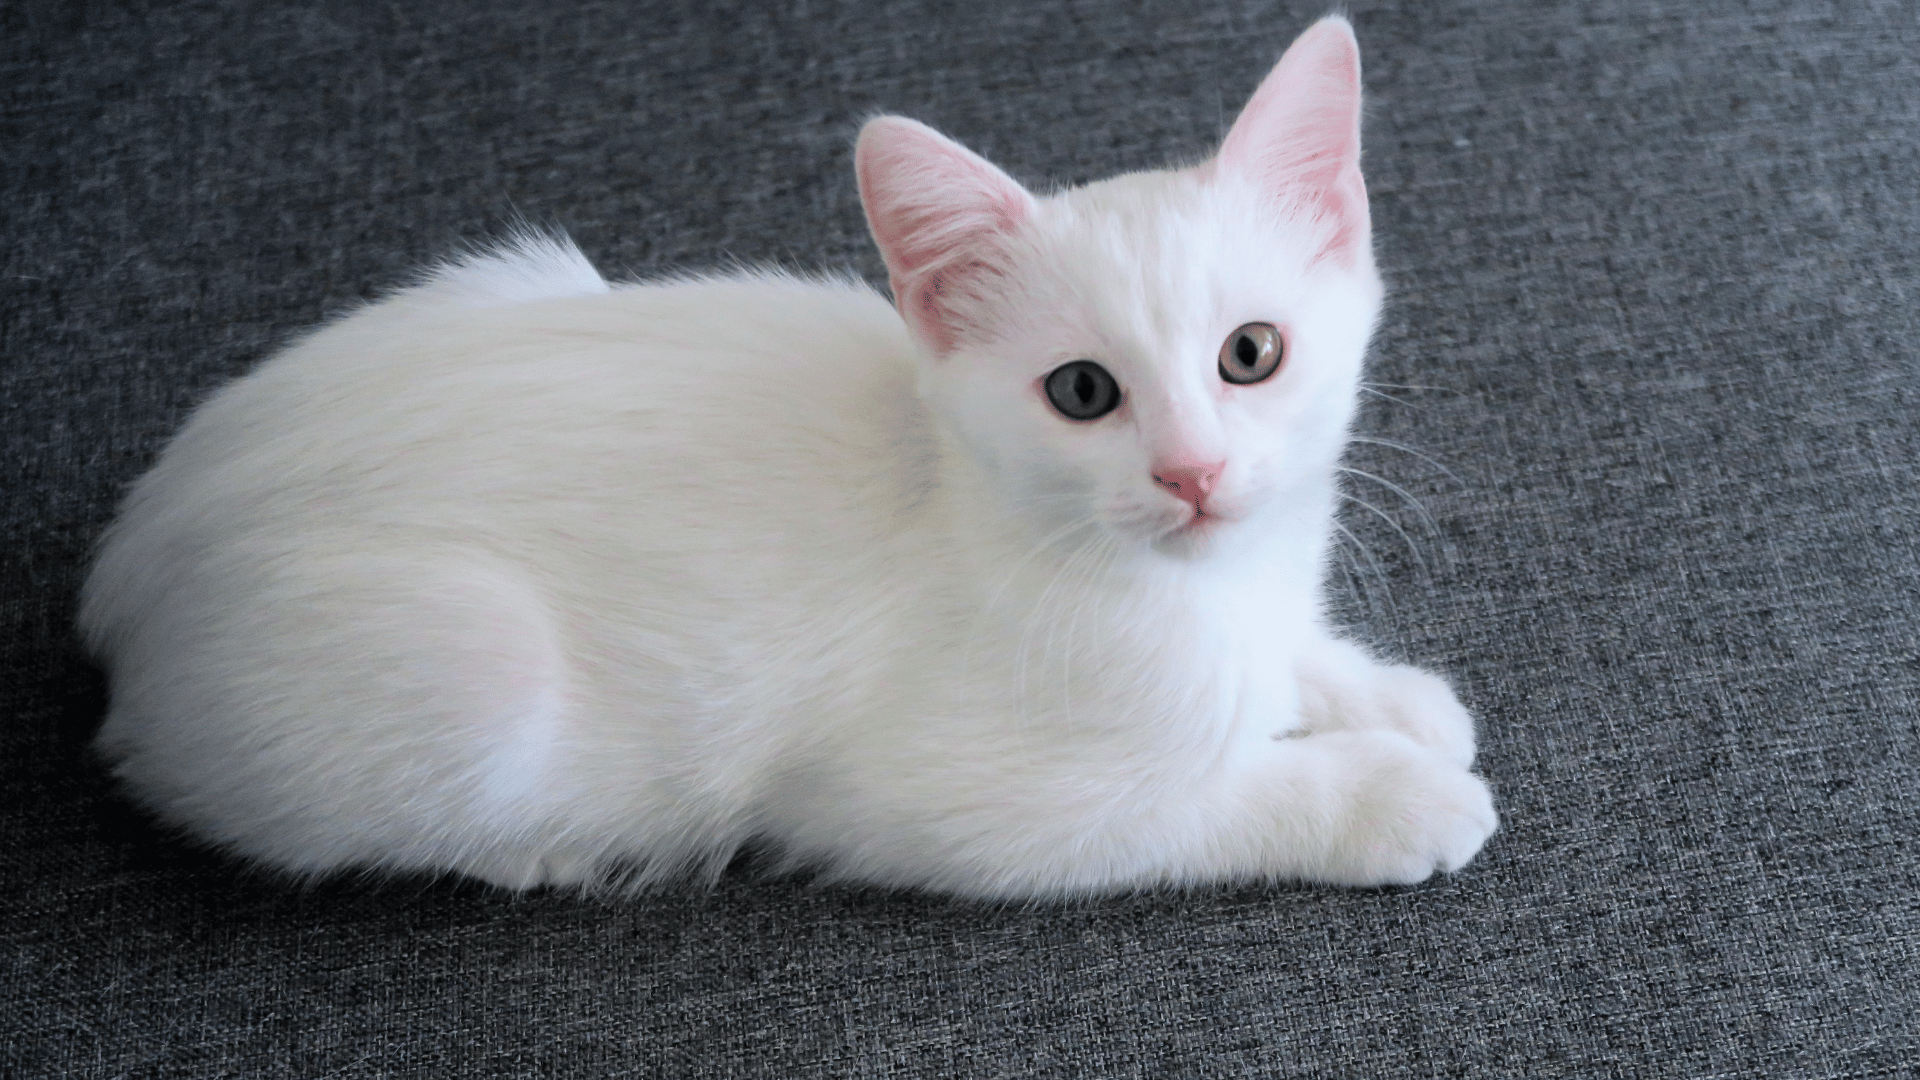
pixel 521 576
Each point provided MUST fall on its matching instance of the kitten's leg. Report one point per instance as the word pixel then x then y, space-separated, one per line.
pixel 465 686
pixel 1352 808
pixel 1356 807
pixel 1342 688
pixel 392 711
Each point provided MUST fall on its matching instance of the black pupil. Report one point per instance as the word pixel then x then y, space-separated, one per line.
pixel 1246 351
pixel 1083 387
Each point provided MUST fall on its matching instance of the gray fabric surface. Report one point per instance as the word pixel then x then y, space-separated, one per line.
pixel 1654 261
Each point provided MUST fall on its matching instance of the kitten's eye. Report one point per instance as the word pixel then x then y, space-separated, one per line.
pixel 1251 353
pixel 1082 390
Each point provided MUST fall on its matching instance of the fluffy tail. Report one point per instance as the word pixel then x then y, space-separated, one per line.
pixel 527 265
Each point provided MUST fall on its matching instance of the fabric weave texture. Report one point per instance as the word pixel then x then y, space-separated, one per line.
pixel 1648 350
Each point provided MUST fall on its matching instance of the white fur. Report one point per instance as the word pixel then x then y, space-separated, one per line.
pixel 527 578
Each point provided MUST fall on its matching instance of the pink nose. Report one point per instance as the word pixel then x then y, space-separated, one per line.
pixel 1191 483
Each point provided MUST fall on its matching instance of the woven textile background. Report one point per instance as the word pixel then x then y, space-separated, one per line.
pixel 1651 332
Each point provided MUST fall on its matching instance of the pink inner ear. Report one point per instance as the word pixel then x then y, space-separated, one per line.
pixel 1299 136
pixel 940 214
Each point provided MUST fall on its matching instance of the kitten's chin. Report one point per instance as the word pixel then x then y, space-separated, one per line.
pixel 1197 538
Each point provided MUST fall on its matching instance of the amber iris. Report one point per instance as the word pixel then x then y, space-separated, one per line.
pixel 1251 353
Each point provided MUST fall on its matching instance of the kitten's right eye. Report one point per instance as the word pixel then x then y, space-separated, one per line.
pixel 1082 390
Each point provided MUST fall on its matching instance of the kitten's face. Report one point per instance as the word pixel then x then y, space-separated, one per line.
pixel 1138 282
pixel 1149 276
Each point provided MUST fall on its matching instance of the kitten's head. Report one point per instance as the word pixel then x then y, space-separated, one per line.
pixel 1173 355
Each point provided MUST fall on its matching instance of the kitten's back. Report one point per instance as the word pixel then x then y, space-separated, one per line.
pixel 414 536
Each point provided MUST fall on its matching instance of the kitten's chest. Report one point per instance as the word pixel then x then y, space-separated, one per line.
pixel 1106 658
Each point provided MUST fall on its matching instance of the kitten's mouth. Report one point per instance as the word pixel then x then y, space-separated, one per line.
pixel 1195 530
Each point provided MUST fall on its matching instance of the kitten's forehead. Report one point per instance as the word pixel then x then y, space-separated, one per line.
pixel 1165 258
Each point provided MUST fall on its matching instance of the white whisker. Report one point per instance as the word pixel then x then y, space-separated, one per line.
pixel 992 603
pixel 1036 613
pixel 1412 386
pixel 1379 571
pixel 1391 445
pixel 1412 548
pixel 1397 490
pixel 1389 397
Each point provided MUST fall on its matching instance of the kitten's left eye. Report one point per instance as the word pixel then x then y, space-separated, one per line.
pixel 1251 353
pixel 1082 390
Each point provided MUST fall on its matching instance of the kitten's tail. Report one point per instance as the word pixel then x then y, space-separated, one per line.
pixel 528 264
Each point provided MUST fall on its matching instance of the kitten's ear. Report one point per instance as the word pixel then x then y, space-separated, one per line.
pixel 941 215
pixel 1299 137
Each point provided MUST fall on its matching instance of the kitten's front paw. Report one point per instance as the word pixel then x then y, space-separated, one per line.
pixel 1344 689
pixel 1421 705
pixel 1414 814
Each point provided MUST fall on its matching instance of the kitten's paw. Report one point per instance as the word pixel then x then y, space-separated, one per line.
pixel 1344 689
pixel 1421 706
pixel 1413 815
